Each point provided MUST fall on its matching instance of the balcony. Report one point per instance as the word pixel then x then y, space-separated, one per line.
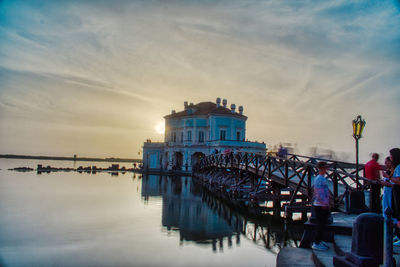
pixel 236 144
pixel 218 144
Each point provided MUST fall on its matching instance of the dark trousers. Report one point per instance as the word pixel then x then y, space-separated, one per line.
pixel 321 214
pixel 396 201
pixel 375 198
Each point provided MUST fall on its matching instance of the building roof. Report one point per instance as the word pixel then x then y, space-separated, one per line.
pixel 204 108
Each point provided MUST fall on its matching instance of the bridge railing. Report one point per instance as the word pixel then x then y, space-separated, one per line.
pixel 294 171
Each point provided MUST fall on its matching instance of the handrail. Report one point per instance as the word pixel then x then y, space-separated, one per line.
pixel 289 171
pixel 327 160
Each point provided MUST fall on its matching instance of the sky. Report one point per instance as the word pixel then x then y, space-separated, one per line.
pixel 94 78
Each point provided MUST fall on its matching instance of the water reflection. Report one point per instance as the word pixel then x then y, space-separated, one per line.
pixel 201 218
pixel 73 219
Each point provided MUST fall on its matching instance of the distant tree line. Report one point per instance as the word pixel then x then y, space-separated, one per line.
pixel 74 158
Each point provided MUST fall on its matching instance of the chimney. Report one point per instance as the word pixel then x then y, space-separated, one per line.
pixel 241 110
pixel 218 102
pixel 224 102
pixel 233 107
pixel 173 111
pixel 185 104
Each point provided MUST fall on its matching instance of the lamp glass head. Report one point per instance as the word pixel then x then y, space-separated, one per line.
pixel 358 127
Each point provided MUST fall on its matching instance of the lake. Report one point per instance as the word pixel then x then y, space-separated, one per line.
pixel 82 219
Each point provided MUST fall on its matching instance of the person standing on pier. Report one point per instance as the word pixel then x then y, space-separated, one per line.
pixel 387 194
pixel 395 178
pixel 372 172
pixel 387 189
pixel 321 203
pixel 395 158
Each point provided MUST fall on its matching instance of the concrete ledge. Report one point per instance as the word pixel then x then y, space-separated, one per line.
pixel 324 258
pixel 342 244
pixel 335 228
pixel 290 256
pixel 309 236
pixel 342 225
pixel 340 261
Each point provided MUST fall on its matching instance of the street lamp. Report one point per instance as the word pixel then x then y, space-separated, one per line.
pixel 358 127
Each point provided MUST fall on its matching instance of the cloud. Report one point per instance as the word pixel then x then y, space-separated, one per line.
pixel 293 65
pixel 62 97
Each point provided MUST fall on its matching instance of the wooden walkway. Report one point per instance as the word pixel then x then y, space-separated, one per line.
pixel 260 178
pixel 257 180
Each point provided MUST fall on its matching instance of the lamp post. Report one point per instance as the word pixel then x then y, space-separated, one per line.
pixel 358 127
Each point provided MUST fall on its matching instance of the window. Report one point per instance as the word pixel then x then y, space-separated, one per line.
pixel 189 136
pixel 222 135
pixel 174 137
pixel 201 137
pixel 238 136
pixel 181 137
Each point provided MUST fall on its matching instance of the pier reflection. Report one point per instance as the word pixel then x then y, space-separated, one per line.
pixel 201 218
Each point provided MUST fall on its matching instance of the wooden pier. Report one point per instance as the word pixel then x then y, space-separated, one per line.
pixel 274 183
pixel 271 184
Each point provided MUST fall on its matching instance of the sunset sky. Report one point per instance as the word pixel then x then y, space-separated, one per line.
pixel 94 78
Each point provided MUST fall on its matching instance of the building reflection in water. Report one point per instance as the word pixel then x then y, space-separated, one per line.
pixel 199 217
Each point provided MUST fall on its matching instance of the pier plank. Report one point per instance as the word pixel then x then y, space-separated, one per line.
pixel 290 256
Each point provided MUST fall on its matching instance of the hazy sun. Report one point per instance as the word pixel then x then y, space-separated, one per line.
pixel 160 127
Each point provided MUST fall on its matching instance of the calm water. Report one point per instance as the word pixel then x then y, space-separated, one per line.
pixel 73 219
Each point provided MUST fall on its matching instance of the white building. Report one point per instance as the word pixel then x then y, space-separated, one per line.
pixel 197 131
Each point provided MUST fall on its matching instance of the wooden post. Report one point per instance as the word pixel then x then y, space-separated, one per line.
pixel 252 178
pixel 288 213
pixel 286 173
pixel 269 166
pixel 304 215
pixel 347 200
pixel 309 183
pixel 277 201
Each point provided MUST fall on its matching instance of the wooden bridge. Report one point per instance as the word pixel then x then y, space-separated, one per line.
pixel 286 182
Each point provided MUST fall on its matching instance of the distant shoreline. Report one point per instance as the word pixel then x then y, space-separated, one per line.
pixel 69 158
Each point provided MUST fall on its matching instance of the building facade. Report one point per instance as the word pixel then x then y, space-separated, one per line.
pixel 197 131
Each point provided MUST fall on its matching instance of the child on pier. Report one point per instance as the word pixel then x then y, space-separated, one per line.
pixel 321 205
pixel 387 173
